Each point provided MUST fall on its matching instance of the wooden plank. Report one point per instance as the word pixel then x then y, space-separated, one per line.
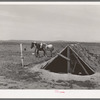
pixel 68 62
pixel 74 66
pixel 81 59
pixel 64 57
pixel 81 65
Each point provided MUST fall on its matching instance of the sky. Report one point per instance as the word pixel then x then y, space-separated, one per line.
pixel 50 22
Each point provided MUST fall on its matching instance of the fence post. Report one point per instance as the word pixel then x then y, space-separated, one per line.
pixel 22 58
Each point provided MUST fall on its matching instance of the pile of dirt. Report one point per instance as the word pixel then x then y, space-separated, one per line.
pixel 69 81
pixel 66 81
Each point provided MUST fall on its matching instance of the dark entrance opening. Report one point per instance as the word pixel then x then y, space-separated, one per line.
pixel 68 61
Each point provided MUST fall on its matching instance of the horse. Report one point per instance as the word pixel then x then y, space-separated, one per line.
pixel 42 47
pixel 49 47
pixel 38 47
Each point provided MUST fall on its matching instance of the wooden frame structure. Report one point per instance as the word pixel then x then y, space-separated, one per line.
pixel 68 61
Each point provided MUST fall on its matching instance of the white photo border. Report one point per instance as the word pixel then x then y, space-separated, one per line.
pixel 36 93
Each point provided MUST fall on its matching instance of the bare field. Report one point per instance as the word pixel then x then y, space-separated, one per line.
pixel 14 76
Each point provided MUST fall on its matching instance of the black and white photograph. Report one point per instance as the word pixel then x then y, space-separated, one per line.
pixel 50 46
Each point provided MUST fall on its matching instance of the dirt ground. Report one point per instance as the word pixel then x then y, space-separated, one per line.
pixel 36 78
pixel 31 76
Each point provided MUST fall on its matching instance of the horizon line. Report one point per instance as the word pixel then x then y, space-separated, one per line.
pixel 53 41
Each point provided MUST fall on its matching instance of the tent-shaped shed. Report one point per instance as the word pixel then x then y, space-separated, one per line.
pixel 68 61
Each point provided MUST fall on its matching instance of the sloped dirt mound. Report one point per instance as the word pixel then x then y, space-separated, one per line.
pixel 84 53
pixel 52 80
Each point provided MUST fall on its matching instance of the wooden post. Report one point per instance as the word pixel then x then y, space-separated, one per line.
pixel 22 58
pixel 81 65
pixel 68 61
pixel 63 56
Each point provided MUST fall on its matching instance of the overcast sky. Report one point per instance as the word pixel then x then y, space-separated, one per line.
pixel 50 22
